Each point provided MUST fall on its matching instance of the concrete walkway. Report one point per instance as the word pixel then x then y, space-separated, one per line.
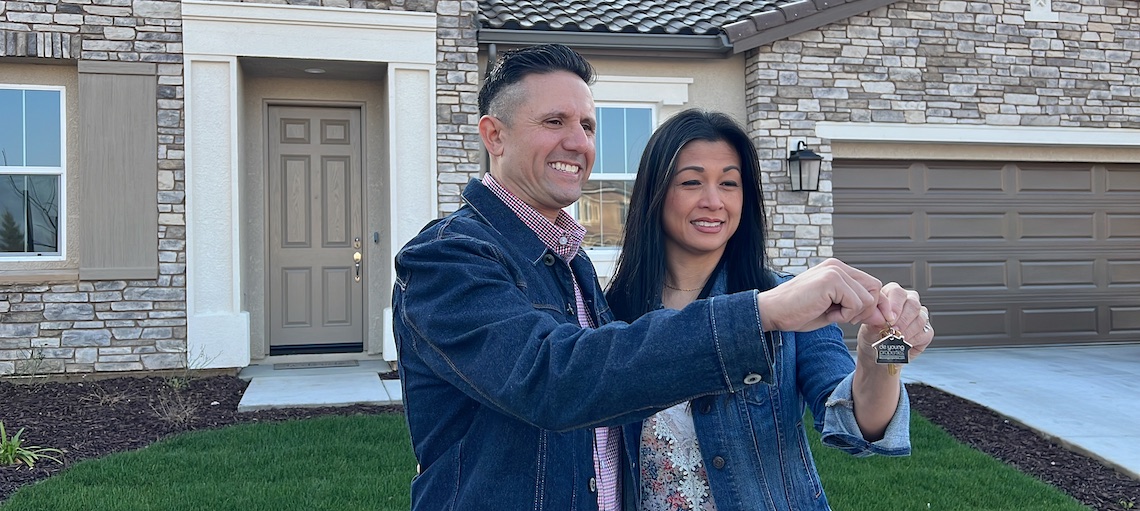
pixel 1084 397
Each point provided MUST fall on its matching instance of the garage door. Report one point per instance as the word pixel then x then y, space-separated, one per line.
pixel 1003 253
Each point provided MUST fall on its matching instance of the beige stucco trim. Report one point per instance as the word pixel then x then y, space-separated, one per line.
pixel 978 152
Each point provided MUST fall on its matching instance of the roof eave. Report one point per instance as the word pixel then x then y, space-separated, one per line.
pixel 795 18
pixel 704 44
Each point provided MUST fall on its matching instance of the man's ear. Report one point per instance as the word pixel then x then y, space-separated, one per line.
pixel 491 131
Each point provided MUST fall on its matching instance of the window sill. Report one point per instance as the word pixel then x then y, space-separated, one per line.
pixel 38 276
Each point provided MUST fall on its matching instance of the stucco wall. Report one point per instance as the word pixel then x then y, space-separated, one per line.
pixel 718 83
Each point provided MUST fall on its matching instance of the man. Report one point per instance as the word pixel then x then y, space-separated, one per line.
pixel 512 371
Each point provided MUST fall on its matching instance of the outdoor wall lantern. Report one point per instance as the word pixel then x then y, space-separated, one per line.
pixel 803 168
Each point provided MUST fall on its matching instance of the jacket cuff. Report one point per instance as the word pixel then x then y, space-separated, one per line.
pixel 745 353
pixel 841 431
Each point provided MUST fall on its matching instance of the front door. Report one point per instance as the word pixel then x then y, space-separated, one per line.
pixel 316 279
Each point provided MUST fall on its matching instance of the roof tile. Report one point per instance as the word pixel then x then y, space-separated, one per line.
pixel 677 17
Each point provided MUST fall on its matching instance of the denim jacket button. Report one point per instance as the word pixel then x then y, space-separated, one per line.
pixel 718 462
pixel 593 485
pixel 706 408
pixel 548 259
pixel 752 379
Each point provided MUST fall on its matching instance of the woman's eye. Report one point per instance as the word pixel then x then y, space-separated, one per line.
pixel 732 184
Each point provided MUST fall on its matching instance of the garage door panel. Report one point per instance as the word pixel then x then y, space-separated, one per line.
pixel 1125 318
pixel 975 226
pixel 1004 253
pixel 1047 320
pixel 977 275
pixel 903 272
pixel 1123 178
pixel 1055 179
pixel 1123 272
pixel 1058 274
pixel 880 176
pixel 1052 226
pixel 880 226
pixel 954 179
pixel 1122 225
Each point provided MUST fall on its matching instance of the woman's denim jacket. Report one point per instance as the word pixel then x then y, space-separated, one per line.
pixel 753 442
pixel 500 384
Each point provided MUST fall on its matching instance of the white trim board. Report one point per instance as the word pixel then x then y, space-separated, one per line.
pixel 977 134
pixel 308 32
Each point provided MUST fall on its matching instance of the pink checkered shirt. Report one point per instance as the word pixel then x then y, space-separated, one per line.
pixel 564 236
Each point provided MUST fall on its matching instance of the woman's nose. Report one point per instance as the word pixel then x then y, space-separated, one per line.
pixel 711 199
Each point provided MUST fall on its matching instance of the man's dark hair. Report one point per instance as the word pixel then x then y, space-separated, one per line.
pixel 636 286
pixel 514 65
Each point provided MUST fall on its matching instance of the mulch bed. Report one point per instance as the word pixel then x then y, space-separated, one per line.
pixel 92 419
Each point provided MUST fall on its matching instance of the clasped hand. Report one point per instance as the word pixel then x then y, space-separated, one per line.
pixel 834 292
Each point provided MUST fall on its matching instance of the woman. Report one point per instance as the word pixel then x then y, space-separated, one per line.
pixel 696 229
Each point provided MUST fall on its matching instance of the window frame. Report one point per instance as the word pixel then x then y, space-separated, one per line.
pixel 611 252
pixel 60 172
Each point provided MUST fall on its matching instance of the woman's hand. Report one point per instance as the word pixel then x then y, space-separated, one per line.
pixel 902 309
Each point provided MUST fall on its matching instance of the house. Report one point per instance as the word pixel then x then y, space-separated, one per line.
pixel 217 184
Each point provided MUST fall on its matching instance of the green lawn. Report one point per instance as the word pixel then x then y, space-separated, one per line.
pixel 365 463
pixel 940 474
pixel 335 463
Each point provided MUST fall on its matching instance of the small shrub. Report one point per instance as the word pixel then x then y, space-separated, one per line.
pixel 103 397
pixel 175 408
pixel 13 452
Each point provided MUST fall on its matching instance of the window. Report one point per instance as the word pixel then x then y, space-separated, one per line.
pixel 32 145
pixel 623 131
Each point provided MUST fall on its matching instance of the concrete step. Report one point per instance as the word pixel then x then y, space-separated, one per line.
pixel 317 387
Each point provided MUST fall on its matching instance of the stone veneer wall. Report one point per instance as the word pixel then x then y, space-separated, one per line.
pixel 459 148
pixel 120 325
pixel 95 326
pixel 934 62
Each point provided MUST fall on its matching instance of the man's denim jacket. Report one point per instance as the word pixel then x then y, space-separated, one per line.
pixel 501 386
pixel 753 442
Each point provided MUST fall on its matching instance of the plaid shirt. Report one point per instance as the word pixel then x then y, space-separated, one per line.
pixel 564 236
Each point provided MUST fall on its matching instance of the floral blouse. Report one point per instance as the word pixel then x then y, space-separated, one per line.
pixel 673 476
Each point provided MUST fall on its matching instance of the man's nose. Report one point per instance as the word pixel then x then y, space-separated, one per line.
pixel 578 140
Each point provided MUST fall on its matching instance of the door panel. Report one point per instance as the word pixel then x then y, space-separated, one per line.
pixel 316 290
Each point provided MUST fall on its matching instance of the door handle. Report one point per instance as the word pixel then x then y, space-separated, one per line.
pixel 356 260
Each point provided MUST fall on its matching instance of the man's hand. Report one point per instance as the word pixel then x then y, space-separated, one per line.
pixel 901 309
pixel 830 292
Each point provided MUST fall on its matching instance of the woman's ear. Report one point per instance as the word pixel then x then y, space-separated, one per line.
pixel 491 131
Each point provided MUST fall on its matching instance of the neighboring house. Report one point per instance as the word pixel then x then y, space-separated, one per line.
pixel 189 183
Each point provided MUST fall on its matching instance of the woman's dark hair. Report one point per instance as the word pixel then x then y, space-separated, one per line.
pixel 514 65
pixel 636 286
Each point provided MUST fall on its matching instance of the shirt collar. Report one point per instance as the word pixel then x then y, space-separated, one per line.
pixel 564 236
